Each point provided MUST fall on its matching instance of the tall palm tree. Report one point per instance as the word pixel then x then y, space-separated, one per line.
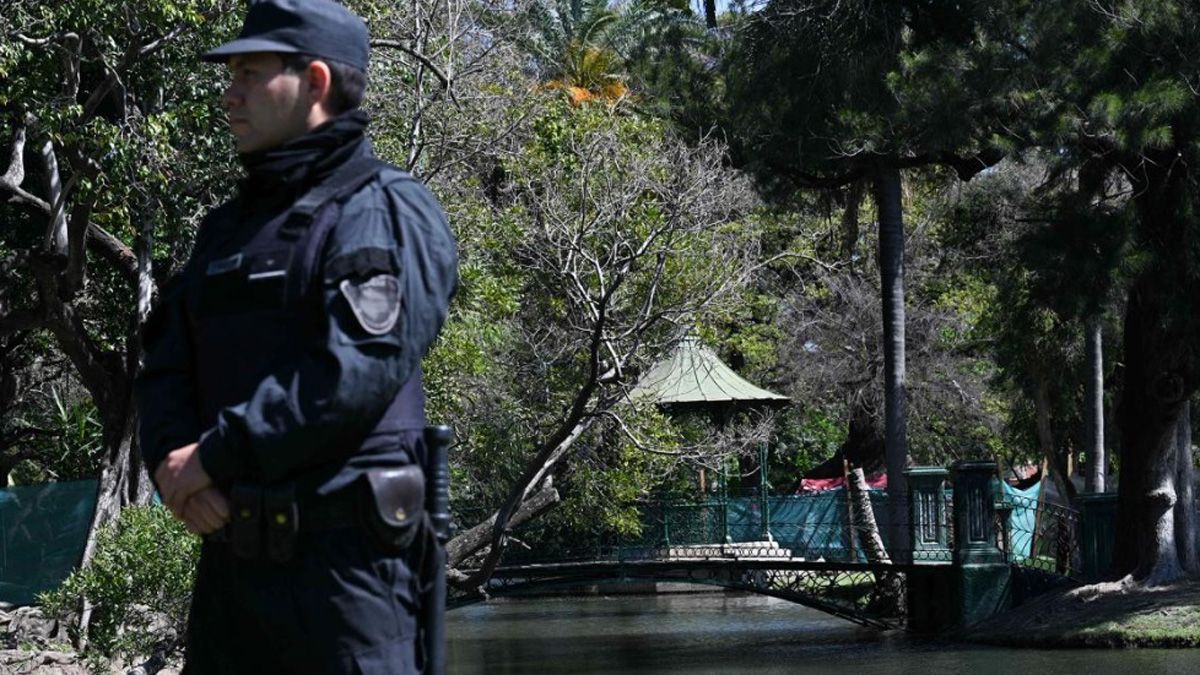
pixel 581 45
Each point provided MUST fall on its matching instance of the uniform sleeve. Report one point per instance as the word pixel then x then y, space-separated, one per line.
pixel 386 275
pixel 165 388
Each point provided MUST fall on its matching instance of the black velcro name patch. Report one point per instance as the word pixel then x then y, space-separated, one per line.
pixel 375 301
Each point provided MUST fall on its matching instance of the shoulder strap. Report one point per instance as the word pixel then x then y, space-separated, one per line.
pixel 390 173
pixel 344 181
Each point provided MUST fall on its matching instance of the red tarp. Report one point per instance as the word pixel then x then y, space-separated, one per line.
pixel 876 482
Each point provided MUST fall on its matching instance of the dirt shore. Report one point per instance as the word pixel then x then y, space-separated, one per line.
pixel 1112 614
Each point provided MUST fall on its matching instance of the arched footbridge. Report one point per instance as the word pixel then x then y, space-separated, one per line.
pixel 818 550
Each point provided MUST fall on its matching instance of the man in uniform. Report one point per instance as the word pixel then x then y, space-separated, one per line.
pixel 281 403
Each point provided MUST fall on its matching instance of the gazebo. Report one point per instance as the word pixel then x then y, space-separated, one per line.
pixel 693 379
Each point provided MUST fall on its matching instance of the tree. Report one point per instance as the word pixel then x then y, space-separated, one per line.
pixel 583 46
pixel 824 94
pixel 1139 132
pixel 101 108
pixel 620 236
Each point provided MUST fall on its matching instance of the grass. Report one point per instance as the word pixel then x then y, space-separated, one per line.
pixel 1114 614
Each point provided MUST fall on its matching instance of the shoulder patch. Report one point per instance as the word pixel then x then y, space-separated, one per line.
pixel 375 301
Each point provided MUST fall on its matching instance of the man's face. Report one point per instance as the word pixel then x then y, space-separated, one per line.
pixel 267 105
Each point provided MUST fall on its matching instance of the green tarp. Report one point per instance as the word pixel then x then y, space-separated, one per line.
pixel 1023 520
pixel 43 529
pixel 810 524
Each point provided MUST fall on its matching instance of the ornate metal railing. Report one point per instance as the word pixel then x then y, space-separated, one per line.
pixel 849 554
pixel 1041 536
pixel 820 527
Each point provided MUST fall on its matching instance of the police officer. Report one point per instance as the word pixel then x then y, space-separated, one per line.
pixel 280 402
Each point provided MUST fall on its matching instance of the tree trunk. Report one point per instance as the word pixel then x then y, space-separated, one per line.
pixel 478 538
pixel 891 270
pixel 1059 470
pixel 888 595
pixel 123 481
pixel 1094 404
pixel 1154 392
pixel 854 197
pixel 710 13
pixel 1161 373
pixel 1185 503
pixel 866 530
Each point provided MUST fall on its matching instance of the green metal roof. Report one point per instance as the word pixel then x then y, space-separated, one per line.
pixel 693 375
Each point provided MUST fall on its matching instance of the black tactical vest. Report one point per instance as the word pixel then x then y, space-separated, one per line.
pixel 254 303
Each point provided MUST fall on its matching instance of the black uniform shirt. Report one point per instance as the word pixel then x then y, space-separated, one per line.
pixel 295 353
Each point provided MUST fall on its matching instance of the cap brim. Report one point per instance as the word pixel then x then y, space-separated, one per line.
pixel 246 46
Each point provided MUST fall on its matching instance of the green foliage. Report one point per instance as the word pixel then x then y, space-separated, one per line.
pixel 69 445
pixel 586 42
pixel 138 585
pixel 805 438
pixel 586 213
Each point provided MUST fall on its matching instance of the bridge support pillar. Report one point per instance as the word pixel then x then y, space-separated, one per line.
pixel 984 577
pixel 931 579
pixel 928 533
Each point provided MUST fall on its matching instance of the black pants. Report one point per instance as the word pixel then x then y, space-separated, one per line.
pixel 340 606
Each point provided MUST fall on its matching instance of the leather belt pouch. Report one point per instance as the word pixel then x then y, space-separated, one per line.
pixel 245 533
pixel 395 505
pixel 282 518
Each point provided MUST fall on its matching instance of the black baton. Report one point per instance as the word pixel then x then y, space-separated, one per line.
pixel 437 503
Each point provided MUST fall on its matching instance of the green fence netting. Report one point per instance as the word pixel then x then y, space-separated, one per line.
pixel 811 524
pixel 43 529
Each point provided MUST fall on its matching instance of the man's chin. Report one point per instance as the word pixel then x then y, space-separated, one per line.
pixel 247 146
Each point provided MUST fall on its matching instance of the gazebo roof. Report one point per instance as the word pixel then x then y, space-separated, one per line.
pixel 693 376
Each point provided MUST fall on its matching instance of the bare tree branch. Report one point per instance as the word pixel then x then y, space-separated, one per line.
pixel 475 539
pixel 56 240
pixel 421 58
pixel 14 175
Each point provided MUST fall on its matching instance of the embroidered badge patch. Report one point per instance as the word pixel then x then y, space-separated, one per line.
pixel 374 301
pixel 224 265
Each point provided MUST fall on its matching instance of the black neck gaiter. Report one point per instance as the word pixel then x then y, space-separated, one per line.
pixel 289 169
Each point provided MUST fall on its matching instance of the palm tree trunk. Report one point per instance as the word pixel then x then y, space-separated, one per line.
pixel 891 270
pixel 866 529
pixel 1094 405
pixel 887 598
pixel 710 13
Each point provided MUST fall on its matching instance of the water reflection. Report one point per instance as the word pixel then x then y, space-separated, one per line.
pixel 715 633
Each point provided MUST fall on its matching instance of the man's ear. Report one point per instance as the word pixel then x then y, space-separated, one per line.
pixel 320 84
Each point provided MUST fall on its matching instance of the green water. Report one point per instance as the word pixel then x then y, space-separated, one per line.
pixel 713 633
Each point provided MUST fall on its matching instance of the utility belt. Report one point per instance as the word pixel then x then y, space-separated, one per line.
pixel 266 521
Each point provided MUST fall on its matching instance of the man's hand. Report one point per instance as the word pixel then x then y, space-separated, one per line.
pixel 206 511
pixel 180 476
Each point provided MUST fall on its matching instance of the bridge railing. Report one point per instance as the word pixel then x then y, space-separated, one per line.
pixel 824 526
pixel 1042 536
pixel 830 526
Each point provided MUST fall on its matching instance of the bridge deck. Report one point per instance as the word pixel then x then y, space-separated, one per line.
pixel 606 567
pixel 843 589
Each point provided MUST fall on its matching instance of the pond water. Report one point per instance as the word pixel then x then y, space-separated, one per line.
pixel 718 633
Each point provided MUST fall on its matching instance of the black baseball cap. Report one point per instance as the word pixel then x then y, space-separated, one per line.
pixel 320 28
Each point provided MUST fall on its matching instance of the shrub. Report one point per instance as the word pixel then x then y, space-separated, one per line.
pixel 139 585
